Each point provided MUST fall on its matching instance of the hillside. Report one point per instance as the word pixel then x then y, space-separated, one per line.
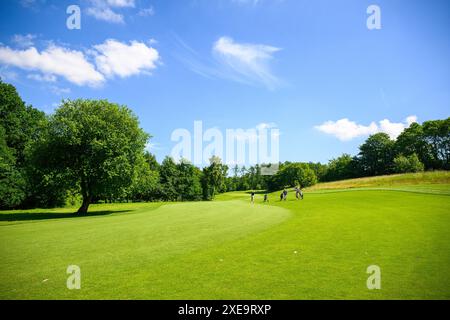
pixel 429 182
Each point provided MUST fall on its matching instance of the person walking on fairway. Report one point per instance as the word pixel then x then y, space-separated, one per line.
pixel 301 193
pixel 252 197
pixel 285 194
pixel 281 196
pixel 266 199
pixel 297 193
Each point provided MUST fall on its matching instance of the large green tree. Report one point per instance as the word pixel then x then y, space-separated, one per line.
pixel 342 167
pixel 412 141
pixel 437 134
pixel 188 183
pixel 168 176
pixel 377 154
pixel 145 186
pixel 292 174
pixel 94 145
pixel 12 182
pixel 214 178
pixel 20 125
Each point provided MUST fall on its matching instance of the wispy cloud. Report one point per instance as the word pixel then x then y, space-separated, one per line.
pixel 23 41
pixel 249 61
pixel 105 10
pixel 60 91
pixel 346 130
pixel 121 3
pixel 245 63
pixel 105 14
pixel 42 77
pixel 146 12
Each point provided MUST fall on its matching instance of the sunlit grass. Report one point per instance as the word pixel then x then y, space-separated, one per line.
pixel 316 248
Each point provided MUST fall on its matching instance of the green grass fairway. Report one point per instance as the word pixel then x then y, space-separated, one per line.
pixel 318 248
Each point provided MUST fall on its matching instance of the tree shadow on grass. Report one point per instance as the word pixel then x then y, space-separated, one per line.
pixel 24 216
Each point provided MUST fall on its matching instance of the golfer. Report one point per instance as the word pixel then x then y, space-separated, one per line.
pixel 297 193
pixel 252 196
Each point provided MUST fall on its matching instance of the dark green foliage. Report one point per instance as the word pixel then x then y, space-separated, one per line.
pixel 168 175
pixel 406 164
pixel 343 167
pixel 214 178
pixel 94 145
pixel 291 175
pixel 320 170
pixel 436 134
pixel 12 182
pixel 188 184
pixel 179 181
pixel 376 155
pixel 145 186
pixel 20 126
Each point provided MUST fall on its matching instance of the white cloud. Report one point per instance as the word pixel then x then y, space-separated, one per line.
pixel 250 62
pixel 60 91
pixel 42 77
pixel 109 59
pixel 103 10
pixel 410 120
pixel 121 3
pixel 346 130
pixel 57 61
pixel 105 14
pixel 23 41
pixel 117 58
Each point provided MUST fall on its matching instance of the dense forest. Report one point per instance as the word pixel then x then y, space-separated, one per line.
pixel 91 151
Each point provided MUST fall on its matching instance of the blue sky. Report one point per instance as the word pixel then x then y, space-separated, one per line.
pixel 312 68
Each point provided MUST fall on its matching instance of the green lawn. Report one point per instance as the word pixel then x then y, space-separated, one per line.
pixel 318 248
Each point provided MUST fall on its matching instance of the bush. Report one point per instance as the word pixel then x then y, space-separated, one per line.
pixel 293 174
pixel 410 163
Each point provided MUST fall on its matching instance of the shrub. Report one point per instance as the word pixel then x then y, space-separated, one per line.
pixel 410 163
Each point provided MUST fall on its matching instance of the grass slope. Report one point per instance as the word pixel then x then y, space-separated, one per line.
pixel 432 181
pixel 318 248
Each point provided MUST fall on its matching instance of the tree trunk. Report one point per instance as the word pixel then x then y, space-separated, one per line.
pixel 85 205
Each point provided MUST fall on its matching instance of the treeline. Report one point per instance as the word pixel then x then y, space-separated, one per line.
pixel 417 148
pixel 88 151
pixel 91 151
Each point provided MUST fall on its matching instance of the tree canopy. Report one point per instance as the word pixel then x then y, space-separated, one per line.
pixel 94 145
